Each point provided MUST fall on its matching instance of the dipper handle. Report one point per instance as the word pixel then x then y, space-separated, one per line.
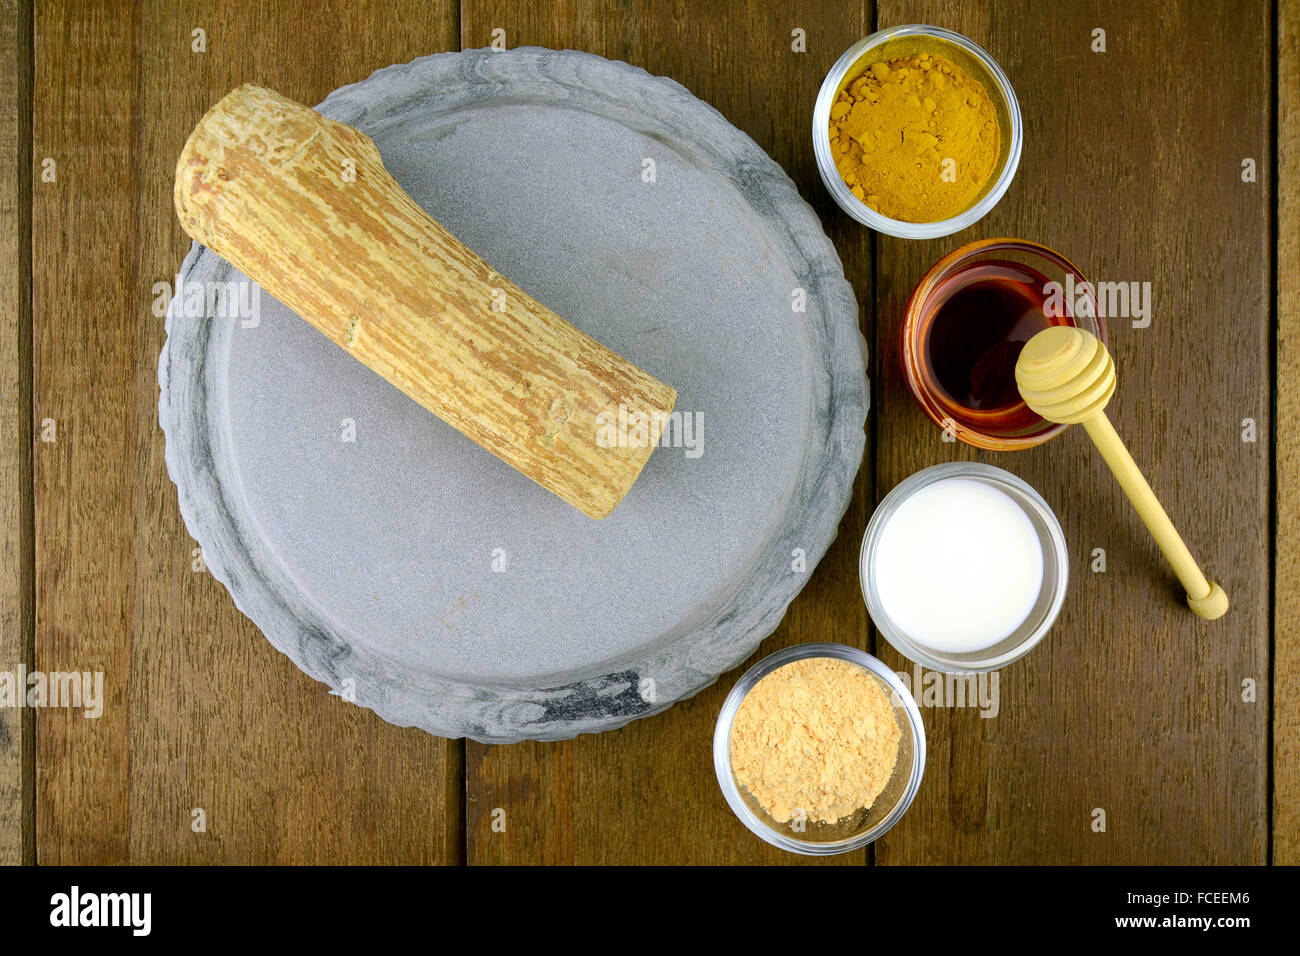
pixel 1066 375
pixel 304 207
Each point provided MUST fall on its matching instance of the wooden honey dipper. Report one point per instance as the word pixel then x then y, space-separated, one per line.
pixel 1066 375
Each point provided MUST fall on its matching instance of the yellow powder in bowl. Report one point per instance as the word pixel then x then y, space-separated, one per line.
pixel 816 736
pixel 915 138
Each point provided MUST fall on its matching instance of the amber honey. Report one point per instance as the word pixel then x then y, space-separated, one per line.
pixel 972 330
pixel 966 324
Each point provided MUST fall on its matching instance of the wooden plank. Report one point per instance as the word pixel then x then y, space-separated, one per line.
pixel 286 772
pixel 84 240
pixel 647 793
pixel 1286 589
pixel 201 712
pixel 1132 169
pixel 15 417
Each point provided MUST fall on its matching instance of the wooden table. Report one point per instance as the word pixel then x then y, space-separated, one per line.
pixel 1186 734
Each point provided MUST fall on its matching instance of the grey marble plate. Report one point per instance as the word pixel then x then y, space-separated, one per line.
pixel 390 557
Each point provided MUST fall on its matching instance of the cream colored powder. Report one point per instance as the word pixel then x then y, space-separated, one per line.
pixel 816 735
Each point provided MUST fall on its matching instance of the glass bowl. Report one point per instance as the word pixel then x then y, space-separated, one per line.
pixel 921 308
pixel 857 830
pixel 1056 568
pixel 906 41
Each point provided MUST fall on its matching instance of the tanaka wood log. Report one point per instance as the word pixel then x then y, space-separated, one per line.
pixel 304 206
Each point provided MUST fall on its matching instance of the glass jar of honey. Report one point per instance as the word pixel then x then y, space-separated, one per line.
pixel 966 323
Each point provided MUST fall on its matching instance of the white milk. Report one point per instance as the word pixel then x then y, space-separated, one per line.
pixel 958 566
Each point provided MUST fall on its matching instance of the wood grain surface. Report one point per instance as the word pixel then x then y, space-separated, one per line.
pixel 15 423
pixel 1286 588
pixel 1132 168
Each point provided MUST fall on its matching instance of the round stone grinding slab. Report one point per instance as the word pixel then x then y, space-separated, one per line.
pixel 392 558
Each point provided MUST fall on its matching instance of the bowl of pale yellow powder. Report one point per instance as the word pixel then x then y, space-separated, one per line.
pixel 917 132
pixel 819 748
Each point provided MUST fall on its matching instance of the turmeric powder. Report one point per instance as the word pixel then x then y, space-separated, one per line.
pixel 915 138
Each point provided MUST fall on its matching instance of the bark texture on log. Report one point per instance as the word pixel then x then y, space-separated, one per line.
pixel 304 206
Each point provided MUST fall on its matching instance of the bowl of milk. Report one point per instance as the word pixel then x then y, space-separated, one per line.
pixel 964 567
